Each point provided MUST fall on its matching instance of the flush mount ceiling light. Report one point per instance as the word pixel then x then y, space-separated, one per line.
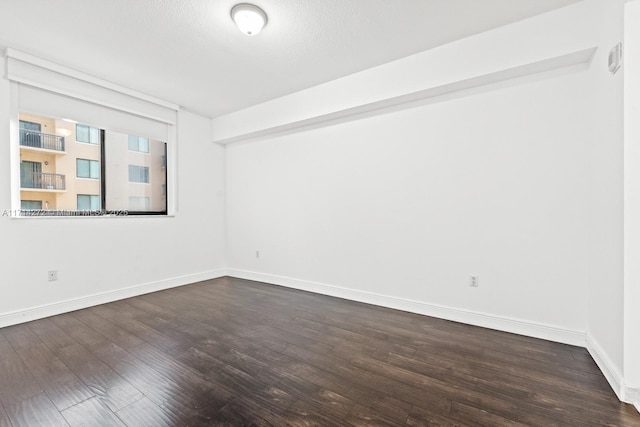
pixel 249 19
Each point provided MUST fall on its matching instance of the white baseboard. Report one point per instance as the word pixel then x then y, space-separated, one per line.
pixel 516 326
pixel 609 370
pixel 632 395
pixel 33 313
pixel 625 392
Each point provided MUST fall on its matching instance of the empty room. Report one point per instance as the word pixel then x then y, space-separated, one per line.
pixel 320 213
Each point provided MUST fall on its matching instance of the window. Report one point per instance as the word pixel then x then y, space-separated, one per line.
pixel 138 143
pixel 106 179
pixel 138 174
pixel 87 134
pixel 30 174
pixel 138 204
pixel 87 168
pixel 29 205
pixel 111 127
pixel 126 169
pixel 88 202
pixel 30 135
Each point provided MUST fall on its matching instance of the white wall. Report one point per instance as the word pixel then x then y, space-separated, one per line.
pixel 522 185
pixel 632 203
pixel 409 204
pixel 99 259
pixel 400 208
pixel 606 184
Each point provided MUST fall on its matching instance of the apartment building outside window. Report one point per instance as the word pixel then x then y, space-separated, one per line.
pixel 102 172
pixel 88 202
pixel 139 144
pixel 74 137
pixel 87 134
pixel 28 205
pixel 139 174
pixel 87 168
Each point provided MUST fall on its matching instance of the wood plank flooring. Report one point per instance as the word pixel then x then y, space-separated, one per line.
pixel 231 352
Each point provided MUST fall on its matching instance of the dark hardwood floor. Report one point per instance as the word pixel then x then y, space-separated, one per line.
pixel 230 352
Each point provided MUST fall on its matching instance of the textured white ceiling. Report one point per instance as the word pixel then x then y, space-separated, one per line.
pixel 189 51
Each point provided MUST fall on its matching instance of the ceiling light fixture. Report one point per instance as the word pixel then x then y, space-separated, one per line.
pixel 249 19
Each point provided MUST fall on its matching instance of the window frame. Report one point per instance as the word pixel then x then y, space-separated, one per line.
pixel 145 198
pixel 138 139
pixel 143 171
pixel 89 128
pixel 103 212
pixel 22 208
pixel 35 74
pixel 100 172
pixel 99 196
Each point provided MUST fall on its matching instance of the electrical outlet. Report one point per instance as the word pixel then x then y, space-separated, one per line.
pixel 474 281
pixel 53 275
pixel 257 254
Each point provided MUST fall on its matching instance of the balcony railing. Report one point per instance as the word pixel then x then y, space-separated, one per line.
pixel 45 181
pixel 35 139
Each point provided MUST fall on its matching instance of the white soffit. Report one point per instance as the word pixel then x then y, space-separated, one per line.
pixel 189 51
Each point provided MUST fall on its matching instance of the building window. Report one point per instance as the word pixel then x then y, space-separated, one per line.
pixel 139 204
pixel 88 202
pixel 87 134
pixel 87 168
pixel 30 135
pixel 138 143
pixel 98 117
pixel 30 205
pixel 138 174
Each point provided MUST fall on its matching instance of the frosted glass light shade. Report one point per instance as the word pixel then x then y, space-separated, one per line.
pixel 249 19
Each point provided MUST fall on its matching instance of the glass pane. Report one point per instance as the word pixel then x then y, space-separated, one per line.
pixel 30 135
pixel 138 174
pixel 138 143
pixel 94 135
pixel 143 145
pixel 26 205
pixel 94 169
pixel 133 143
pixel 82 133
pixel 133 173
pixel 83 168
pixel 139 203
pixel 95 203
pixel 68 172
pixel 135 180
pixel 84 202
